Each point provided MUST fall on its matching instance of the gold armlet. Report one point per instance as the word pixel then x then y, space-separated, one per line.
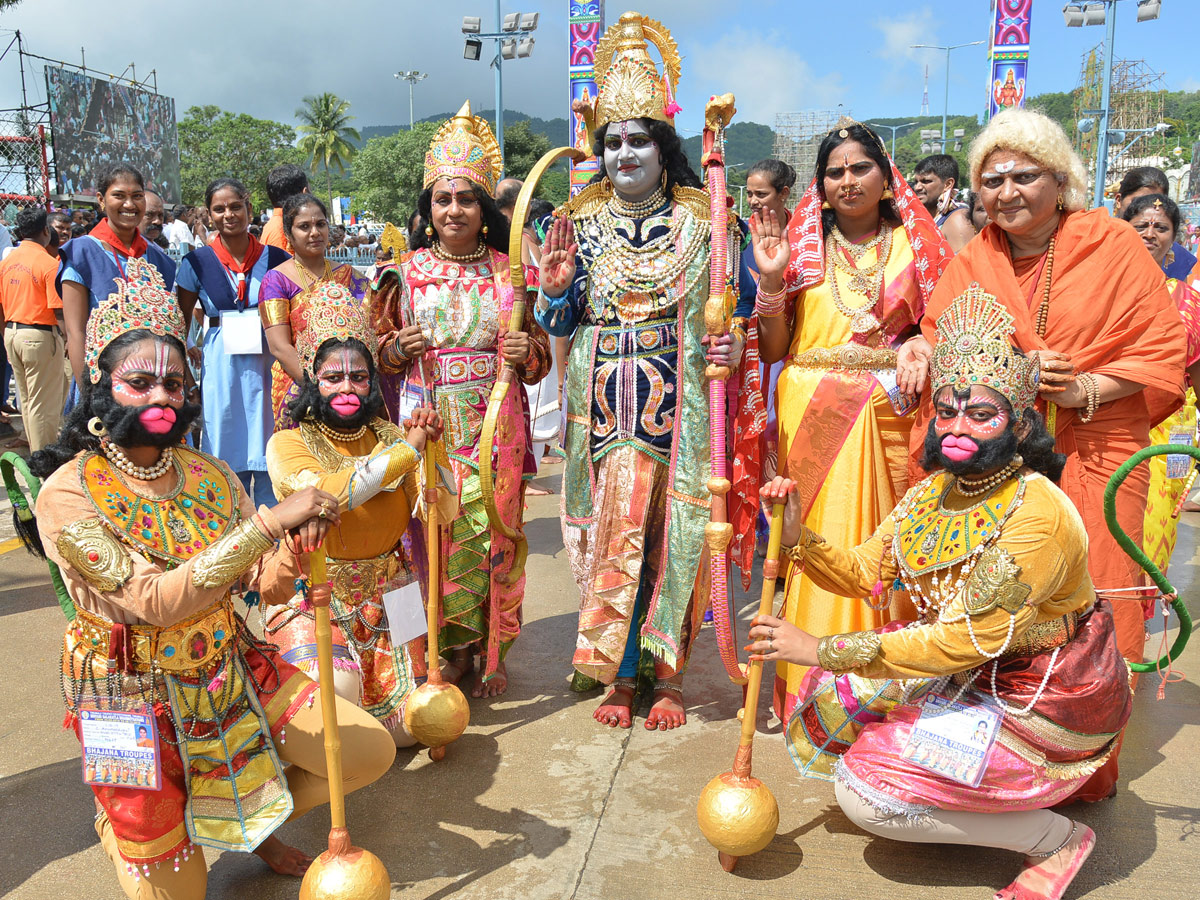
pixel 95 553
pixel 289 484
pixel 230 557
pixel 995 581
pixel 843 652
pixel 276 311
pixel 808 540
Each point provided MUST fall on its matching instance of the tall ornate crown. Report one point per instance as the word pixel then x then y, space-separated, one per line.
pixel 464 147
pixel 627 79
pixel 141 301
pixel 974 348
pixel 334 314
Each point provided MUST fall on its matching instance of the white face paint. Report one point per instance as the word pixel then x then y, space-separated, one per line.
pixel 632 160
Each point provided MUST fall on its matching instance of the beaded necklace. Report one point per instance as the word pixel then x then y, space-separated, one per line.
pixel 843 255
pixel 620 207
pixel 474 256
pixel 123 463
pixel 344 437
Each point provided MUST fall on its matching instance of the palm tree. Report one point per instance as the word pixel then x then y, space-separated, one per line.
pixel 326 136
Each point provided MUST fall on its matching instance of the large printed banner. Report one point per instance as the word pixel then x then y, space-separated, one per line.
pixel 586 21
pixel 94 123
pixel 1008 59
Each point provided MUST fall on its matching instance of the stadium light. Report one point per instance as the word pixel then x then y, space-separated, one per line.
pixel 525 47
pixel 529 21
pixel 1073 16
pixel 508 48
pixel 471 25
pixel 1148 10
pixel 473 49
pixel 512 22
pixel 412 76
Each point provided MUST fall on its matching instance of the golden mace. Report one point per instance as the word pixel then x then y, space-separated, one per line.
pixel 737 812
pixel 343 872
pixel 437 711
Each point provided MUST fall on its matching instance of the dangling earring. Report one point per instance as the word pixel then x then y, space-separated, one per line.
pixel 664 180
pixel 96 427
pixel 428 231
pixel 825 205
pixel 483 230
pixel 1060 205
pixel 1169 259
pixel 887 194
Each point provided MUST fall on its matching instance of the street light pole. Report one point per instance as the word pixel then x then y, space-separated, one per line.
pixel 946 99
pixel 499 87
pixel 895 128
pixel 1102 138
pixel 412 76
pixel 512 36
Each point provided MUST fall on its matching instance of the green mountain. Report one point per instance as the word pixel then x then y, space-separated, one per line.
pixel 554 130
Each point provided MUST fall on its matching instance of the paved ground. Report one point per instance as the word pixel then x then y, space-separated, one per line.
pixel 537 801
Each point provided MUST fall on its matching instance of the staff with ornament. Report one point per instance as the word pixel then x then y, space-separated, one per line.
pixel 625 270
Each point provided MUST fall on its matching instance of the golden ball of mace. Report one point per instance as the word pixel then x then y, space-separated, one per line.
pixel 436 714
pixel 739 816
pixel 354 875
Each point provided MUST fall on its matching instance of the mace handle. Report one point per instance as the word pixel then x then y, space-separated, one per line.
pixel 319 592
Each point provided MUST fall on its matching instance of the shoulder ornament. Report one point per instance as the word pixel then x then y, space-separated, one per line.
pixel 995 582
pixel 95 553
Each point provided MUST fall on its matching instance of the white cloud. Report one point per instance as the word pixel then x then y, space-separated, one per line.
pixel 900 33
pixel 764 75
pixel 1189 84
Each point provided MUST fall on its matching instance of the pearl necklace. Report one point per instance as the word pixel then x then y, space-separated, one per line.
pixel 618 206
pixel 344 437
pixel 967 487
pixel 124 464
pixel 474 256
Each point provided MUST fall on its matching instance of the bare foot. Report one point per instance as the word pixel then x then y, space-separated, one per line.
pixel 667 711
pixel 616 709
pixel 532 491
pixel 494 686
pixel 461 664
pixel 283 859
pixel 1049 878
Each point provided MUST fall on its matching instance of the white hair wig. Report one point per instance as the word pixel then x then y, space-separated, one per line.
pixel 1041 139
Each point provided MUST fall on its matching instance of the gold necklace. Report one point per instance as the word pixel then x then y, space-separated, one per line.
pixel 867 280
pixel 474 256
pixel 308 277
pixel 968 487
pixel 344 437
pixel 639 210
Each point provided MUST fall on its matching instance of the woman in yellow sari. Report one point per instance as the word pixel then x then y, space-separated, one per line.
pixel 839 291
pixel 287 290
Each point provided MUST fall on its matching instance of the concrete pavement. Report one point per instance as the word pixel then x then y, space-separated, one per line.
pixel 538 801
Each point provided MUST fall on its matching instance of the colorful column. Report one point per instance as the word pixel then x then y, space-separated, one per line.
pixel 1008 59
pixel 586 21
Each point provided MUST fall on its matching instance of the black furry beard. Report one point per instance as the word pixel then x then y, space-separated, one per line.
pixel 368 409
pixel 991 455
pixel 125 429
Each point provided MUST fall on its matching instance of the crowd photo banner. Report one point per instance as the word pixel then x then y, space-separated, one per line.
pixel 1008 58
pixel 585 18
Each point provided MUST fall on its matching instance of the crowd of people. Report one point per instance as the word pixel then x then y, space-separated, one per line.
pixel 936 383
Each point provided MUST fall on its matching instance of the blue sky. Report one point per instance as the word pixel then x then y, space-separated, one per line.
pixel 262 56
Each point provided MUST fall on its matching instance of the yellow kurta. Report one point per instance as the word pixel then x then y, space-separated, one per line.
pixel 866 479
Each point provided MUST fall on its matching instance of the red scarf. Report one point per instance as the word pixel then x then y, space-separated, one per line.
pixel 103 232
pixel 242 269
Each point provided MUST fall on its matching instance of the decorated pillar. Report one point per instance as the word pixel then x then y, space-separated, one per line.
pixel 586 21
pixel 1008 59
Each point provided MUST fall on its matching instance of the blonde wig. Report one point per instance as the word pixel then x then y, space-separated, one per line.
pixel 1041 139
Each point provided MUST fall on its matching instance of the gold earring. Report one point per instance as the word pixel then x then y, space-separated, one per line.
pixel 825 205
pixel 1170 258
pixel 887 194
pixel 483 230
pixel 96 427
pixel 429 231
pixel 1060 205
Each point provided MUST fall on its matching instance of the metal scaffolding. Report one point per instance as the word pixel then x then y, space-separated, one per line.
pixel 799 134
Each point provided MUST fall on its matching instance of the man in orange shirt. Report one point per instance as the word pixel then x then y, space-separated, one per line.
pixel 282 182
pixel 32 314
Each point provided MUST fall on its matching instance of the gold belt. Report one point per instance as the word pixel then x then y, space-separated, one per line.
pixel 1044 636
pixel 847 356
pixel 185 647
pixel 355 580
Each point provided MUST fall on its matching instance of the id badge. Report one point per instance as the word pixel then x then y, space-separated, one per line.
pixel 954 738
pixel 405 613
pixel 901 403
pixel 1180 464
pixel 120 744
pixel 241 332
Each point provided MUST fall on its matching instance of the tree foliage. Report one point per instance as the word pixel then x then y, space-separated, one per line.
pixel 388 171
pixel 214 143
pixel 326 135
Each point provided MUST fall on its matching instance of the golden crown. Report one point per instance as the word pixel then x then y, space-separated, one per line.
pixel 334 314
pixel 464 147
pixel 141 301
pixel 974 347
pixel 628 83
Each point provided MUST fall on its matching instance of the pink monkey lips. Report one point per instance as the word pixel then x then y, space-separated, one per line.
pixel 157 419
pixel 345 405
pixel 959 449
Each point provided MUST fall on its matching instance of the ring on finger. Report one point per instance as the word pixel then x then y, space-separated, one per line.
pixel 770 645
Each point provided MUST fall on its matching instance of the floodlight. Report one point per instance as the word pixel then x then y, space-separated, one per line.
pixel 1162 127
pixel 471 25
pixel 525 47
pixel 508 48
pixel 1148 9
pixel 1073 16
pixel 1085 125
pixel 1094 14
pixel 1116 136
pixel 960 132
pixel 925 148
pixel 473 48
pixel 529 21
pixel 512 21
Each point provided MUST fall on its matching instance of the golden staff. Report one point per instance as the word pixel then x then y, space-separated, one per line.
pixel 737 812
pixel 343 872
pixel 487 435
pixel 437 712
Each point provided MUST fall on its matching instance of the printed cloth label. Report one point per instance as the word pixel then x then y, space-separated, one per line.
pixel 120 744
pixel 954 738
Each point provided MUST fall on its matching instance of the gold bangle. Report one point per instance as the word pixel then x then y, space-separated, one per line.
pixel 225 561
pixel 844 652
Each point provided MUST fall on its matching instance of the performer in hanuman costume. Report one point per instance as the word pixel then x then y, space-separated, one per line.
pixel 625 271
pixel 150 537
pixel 342 446
pixel 1013 655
